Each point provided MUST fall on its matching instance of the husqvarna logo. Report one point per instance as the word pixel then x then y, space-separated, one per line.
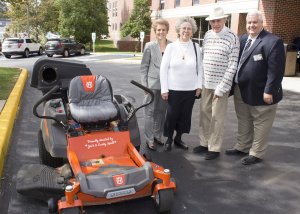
pixel 89 84
pixel 119 180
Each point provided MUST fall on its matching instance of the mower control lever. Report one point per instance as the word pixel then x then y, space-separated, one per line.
pixel 145 89
pixel 44 98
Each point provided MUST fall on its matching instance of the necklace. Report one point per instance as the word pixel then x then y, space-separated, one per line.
pixel 185 49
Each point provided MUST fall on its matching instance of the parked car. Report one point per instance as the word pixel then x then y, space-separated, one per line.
pixel 18 46
pixel 63 46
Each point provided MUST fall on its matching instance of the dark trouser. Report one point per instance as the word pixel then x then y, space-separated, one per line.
pixel 179 112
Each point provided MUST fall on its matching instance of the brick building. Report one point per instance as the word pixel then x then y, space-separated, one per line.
pixel 118 13
pixel 280 16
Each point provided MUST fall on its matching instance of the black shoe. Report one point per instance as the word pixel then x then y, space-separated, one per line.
pixel 151 146
pixel 211 155
pixel 168 145
pixel 235 152
pixel 200 149
pixel 158 141
pixel 250 160
pixel 181 144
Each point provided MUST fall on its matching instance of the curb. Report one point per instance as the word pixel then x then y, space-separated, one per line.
pixel 8 116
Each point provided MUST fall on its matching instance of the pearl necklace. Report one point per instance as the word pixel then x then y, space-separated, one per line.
pixel 185 49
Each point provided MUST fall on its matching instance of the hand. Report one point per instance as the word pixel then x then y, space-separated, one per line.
pixel 198 92
pixel 268 98
pixel 165 96
pixel 216 97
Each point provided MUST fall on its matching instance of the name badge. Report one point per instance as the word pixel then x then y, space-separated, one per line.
pixel 257 57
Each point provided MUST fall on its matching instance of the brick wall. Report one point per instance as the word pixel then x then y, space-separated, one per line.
pixel 282 18
pixel 124 45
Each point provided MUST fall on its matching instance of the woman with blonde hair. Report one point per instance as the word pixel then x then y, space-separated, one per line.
pixel 150 65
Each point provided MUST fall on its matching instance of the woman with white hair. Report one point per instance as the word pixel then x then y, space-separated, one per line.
pixel 181 81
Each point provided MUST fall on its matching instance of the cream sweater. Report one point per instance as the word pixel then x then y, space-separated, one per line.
pixel 180 74
pixel 220 59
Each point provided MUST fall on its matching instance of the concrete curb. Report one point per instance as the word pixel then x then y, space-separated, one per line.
pixel 8 115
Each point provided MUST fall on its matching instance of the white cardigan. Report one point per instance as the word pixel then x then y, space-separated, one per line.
pixel 180 74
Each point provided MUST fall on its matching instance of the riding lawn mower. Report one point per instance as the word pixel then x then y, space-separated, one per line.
pixel 88 144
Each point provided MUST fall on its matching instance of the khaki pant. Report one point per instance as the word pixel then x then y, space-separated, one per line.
pixel 254 125
pixel 212 116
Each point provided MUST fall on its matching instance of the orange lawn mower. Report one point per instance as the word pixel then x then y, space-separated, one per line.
pixel 88 140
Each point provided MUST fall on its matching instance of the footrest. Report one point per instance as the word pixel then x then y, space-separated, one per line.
pixel 40 182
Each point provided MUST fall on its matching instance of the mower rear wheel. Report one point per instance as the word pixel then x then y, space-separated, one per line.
pixel 72 210
pixel 164 200
pixel 45 156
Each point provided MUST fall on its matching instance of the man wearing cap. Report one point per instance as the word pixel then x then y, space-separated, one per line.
pixel 258 88
pixel 220 58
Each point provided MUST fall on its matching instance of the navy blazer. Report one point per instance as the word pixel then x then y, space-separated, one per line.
pixel 261 69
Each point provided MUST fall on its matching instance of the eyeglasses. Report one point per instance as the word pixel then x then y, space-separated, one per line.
pixel 186 28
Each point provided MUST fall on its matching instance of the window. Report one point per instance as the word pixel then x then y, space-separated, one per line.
pixel 162 4
pixel 177 3
pixel 114 9
pixel 195 2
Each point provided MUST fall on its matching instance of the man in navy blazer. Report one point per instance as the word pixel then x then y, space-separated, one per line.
pixel 257 88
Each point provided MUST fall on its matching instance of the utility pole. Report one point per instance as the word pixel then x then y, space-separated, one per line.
pixel 27 5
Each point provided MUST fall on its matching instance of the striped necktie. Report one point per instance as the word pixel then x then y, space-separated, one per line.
pixel 247 46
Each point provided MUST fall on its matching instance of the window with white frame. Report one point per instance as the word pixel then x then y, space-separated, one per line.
pixel 195 2
pixel 177 3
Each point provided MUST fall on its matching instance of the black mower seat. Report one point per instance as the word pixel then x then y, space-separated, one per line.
pixel 91 100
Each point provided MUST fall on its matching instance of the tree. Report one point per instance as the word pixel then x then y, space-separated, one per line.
pixel 25 17
pixel 140 20
pixel 80 18
pixel 13 1
pixel 49 13
pixel 3 9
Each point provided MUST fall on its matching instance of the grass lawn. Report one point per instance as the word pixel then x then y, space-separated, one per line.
pixel 105 46
pixel 8 78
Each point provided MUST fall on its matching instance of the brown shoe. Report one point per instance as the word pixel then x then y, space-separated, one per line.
pixel 151 146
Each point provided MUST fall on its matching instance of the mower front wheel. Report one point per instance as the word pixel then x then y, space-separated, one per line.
pixel 164 200
pixel 45 156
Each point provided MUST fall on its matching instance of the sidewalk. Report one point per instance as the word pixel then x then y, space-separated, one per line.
pixel 291 84
pixel 2 103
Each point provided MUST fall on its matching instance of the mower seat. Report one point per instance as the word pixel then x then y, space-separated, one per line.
pixel 91 99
